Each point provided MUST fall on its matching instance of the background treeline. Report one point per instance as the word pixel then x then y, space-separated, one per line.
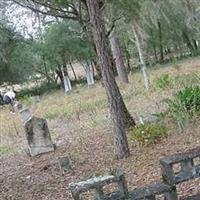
pixel 164 30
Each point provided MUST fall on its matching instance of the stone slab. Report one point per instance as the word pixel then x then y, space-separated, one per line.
pixel 38 136
pixel 170 160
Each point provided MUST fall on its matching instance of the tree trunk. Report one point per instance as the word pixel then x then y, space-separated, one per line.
pixel 73 71
pixel 89 76
pixel 127 54
pixel 154 45
pixel 160 42
pixel 66 80
pixel 60 75
pixel 142 62
pixel 46 71
pixel 119 114
pixel 155 53
pixel 195 46
pixel 98 69
pixel 92 66
pixel 188 42
pixel 118 58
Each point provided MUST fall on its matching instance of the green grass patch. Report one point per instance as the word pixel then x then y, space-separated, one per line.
pixel 6 149
pixel 164 81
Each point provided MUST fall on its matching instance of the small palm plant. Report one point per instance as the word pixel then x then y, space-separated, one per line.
pixel 184 106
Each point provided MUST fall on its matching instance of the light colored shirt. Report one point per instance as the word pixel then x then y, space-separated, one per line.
pixel 10 94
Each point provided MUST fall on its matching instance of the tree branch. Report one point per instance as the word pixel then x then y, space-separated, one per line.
pixel 113 26
pixel 55 12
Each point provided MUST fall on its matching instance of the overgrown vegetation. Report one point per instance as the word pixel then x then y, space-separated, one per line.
pixel 184 106
pixel 147 134
pixel 37 90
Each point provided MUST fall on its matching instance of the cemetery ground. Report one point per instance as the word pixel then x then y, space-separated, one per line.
pixel 80 127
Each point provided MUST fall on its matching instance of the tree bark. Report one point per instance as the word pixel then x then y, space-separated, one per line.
pixel 96 64
pixel 154 45
pixel 46 71
pixel 98 69
pixel 195 46
pixel 66 80
pixel 73 71
pixel 89 76
pixel 142 62
pixel 160 42
pixel 92 66
pixel 118 58
pixel 188 42
pixel 127 54
pixel 60 75
pixel 119 114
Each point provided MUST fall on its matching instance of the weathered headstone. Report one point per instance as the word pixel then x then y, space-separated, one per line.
pixel 64 164
pixel 149 118
pixel 36 98
pixel 26 115
pixel 37 133
pixel 67 84
pixel 90 77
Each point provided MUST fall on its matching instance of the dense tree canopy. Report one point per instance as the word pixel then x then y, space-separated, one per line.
pixel 9 42
pixel 163 27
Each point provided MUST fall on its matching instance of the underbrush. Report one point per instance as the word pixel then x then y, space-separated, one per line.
pixel 185 106
pixel 147 134
pixel 38 90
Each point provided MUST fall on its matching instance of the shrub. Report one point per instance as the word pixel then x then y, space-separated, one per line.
pixel 38 90
pixel 147 134
pixel 184 106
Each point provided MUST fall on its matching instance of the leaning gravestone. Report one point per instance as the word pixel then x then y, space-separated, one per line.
pixel 37 133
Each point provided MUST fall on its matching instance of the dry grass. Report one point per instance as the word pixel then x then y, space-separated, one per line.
pixel 80 126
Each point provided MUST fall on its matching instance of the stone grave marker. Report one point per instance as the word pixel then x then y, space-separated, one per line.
pixel 64 164
pixel 37 133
